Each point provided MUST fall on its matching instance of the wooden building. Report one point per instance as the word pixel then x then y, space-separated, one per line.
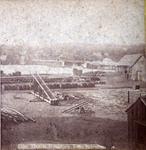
pixel 106 65
pixel 137 124
pixel 134 65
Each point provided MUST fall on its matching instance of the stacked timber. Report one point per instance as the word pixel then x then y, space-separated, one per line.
pixel 11 116
pixel 29 86
pixel 29 78
pixel 17 87
pixel 81 108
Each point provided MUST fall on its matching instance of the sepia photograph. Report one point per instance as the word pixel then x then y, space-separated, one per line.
pixel 72 75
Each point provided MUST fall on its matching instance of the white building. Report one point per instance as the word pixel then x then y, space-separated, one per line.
pixel 135 65
pixel 106 65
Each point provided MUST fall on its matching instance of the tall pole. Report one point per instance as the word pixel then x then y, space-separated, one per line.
pixel 128 96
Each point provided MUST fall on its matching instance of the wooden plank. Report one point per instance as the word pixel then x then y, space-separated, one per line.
pixel 44 99
pixel 78 105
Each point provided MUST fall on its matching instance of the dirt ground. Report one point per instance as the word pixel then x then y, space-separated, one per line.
pixel 108 125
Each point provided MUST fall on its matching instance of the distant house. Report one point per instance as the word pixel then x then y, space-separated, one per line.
pixel 134 65
pixel 137 124
pixel 107 64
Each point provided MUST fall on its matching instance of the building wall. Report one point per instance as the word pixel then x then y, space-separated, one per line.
pixel 122 69
pixel 144 74
pixel 138 71
pixel 103 67
pixel 136 113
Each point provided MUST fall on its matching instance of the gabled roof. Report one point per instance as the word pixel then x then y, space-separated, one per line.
pixel 142 99
pixel 129 60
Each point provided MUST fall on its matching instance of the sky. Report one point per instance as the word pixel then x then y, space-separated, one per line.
pixel 46 22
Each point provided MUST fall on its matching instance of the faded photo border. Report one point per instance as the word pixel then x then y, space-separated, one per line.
pixel 45 146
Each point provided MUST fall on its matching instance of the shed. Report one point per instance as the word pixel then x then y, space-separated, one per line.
pixel 137 124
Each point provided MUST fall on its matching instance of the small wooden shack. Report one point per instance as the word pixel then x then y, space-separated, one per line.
pixel 137 124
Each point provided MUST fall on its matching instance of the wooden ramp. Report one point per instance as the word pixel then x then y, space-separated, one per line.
pixel 42 91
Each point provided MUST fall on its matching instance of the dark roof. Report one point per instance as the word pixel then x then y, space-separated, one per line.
pixel 142 99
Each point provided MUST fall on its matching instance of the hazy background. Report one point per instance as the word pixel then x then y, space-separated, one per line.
pixel 42 22
pixel 53 28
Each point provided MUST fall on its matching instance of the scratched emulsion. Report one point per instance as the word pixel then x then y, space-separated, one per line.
pixel 45 22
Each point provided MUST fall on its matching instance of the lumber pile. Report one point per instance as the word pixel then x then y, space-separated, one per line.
pixel 82 107
pixel 10 116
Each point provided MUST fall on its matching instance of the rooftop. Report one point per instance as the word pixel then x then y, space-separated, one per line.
pixel 129 60
pixel 142 98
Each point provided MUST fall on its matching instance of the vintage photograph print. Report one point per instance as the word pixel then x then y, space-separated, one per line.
pixel 72 75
